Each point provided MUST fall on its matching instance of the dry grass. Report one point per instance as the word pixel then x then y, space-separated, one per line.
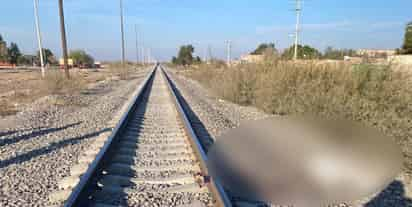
pixel 55 83
pixel 6 108
pixel 374 95
pixel 16 88
pixel 124 73
pixel 21 87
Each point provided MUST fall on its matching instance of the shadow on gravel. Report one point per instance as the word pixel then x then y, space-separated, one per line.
pixel 202 133
pixel 33 134
pixel 48 149
pixel 8 133
pixel 96 91
pixel 393 195
pixel 11 132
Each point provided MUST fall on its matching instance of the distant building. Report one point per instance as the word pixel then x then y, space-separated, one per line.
pixel 251 58
pixel 6 65
pixel 97 64
pixel 69 62
pixel 29 60
pixel 3 56
pixel 375 53
pixel 350 59
pixel 401 59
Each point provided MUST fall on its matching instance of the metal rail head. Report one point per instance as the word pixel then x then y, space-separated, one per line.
pixel 214 186
pixel 85 180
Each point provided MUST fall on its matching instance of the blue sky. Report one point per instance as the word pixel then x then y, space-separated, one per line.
pixel 164 25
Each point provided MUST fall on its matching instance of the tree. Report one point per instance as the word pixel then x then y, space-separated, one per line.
pixel 331 53
pixel 338 54
pixel 198 59
pixel 262 48
pixel 304 52
pixel 81 58
pixel 407 43
pixel 13 53
pixel 174 60
pixel 48 56
pixel 3 50
pixel 185 56
pixel 26 60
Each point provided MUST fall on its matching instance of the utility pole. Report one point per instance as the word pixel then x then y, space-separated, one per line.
pixel 149 56
pixel 142 55
pixel 229 51
pixel 63 39
pixel 39 39
pixel 122 31
pixel 205 55
pixel 144 52
pixel 137 46
pixel 298 11
pixel 209 48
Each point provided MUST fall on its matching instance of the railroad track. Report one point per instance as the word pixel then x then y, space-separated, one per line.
pixel 153 158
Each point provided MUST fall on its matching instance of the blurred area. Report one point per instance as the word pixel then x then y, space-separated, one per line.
pixel 304 161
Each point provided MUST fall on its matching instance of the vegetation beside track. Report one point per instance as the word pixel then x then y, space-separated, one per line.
pixel 376 95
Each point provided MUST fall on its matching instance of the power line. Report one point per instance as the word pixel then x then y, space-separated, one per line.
pixel 39 39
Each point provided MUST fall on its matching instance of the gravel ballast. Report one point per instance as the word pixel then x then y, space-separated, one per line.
pixel 215 116
pixel 39 145
pixel 152 142
pixel 42 142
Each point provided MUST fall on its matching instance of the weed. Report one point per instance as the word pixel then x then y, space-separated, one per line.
pixel 378 96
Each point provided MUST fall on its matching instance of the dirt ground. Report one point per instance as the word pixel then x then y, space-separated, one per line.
pixel 22 86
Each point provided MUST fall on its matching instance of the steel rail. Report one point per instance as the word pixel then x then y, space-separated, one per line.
pixel 76 195
pixel 214 186
pixel 79 193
